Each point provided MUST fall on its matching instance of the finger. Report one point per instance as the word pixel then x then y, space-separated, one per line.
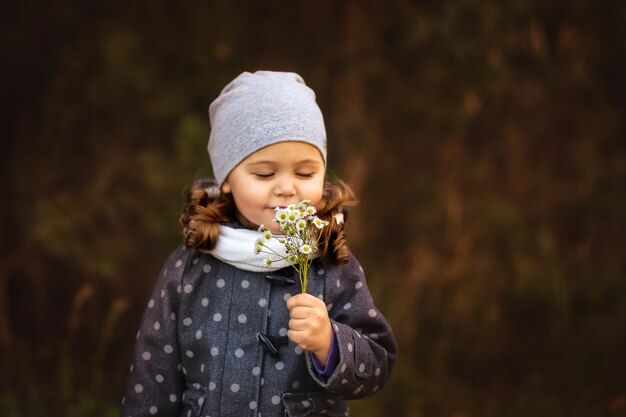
pixel 305 300
pixel 302 339
pixel 298 325
pixel 299 337
pixel 295 336
pixel 300 312
pixel 310 326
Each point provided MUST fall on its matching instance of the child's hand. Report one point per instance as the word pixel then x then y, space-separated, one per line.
pixel 309 326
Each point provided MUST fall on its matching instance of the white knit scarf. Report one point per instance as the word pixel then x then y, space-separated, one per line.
pixel 236 247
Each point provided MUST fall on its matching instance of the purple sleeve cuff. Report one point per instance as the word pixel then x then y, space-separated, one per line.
pixel 331 364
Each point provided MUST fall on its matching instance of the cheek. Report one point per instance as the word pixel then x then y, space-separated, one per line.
pixel 251 205
pixel 315 192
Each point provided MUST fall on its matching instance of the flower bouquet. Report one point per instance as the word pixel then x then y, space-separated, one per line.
pixel 301 230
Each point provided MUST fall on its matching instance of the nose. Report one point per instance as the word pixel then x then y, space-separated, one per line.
pixel 285 187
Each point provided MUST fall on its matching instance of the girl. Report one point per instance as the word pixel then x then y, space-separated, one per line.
pixel 222 334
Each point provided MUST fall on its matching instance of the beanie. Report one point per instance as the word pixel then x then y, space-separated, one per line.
pixel 259 109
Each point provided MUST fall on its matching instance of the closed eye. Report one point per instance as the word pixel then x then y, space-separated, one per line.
pixel 264 175
pixel 305 174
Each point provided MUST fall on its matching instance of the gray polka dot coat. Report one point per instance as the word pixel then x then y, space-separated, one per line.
pixel 212 343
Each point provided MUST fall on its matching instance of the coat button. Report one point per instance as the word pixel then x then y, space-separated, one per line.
pixel 267 345
pixel 279 279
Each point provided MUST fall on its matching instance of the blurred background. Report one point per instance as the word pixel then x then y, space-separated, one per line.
pixel 484 139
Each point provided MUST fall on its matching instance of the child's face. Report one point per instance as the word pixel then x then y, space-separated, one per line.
pixel 276 176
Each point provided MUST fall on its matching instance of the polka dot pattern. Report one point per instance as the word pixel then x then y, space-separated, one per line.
pixel 214 317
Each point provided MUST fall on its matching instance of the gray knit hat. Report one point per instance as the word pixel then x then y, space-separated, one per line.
pixel 261 109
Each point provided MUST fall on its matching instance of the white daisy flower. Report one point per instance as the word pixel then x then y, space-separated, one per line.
pixel 301 224
pixel 319 223
pixel 306 249
pixel 281 215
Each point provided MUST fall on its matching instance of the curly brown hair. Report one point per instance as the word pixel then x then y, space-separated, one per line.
pixel 206 207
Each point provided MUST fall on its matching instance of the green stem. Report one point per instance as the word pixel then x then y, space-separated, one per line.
pixel 303 276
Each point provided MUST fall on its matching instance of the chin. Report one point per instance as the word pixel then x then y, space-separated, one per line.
pixel 273 227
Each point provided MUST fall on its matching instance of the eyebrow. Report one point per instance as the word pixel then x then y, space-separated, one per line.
pixel 270 162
